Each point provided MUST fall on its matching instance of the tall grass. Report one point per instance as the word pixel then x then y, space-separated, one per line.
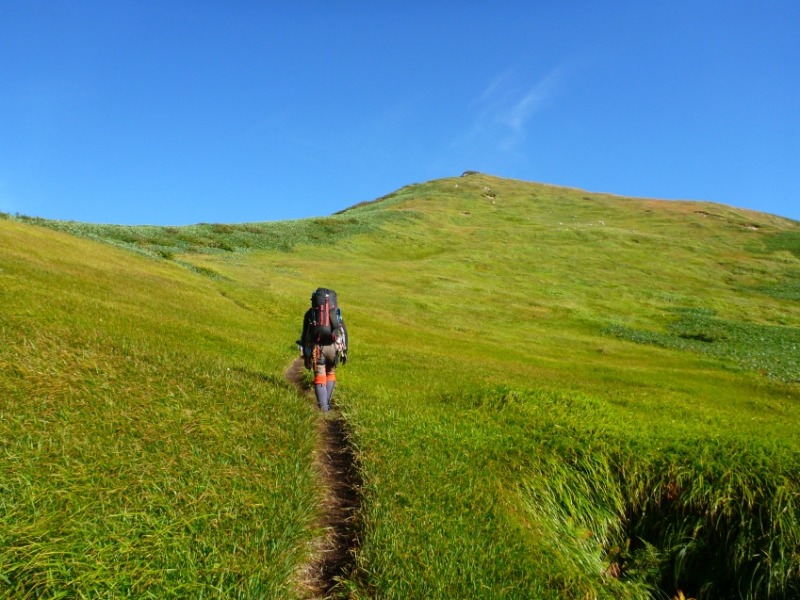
pixel 709 515
pixel 146 450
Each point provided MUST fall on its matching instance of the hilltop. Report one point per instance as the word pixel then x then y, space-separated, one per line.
pixel 552 393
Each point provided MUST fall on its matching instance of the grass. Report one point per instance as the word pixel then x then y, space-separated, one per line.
pixel 145 448
pixel 553 394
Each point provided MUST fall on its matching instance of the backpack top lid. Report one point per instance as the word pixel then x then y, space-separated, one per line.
pixel 319 296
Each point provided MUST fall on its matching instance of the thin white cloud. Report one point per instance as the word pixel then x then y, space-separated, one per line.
pixel 496 85
pixel 505 110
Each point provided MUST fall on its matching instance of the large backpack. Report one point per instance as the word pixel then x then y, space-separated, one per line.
pixel 326 318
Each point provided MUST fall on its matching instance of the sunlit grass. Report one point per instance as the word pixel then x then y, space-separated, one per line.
pixel 148 450
pixel 553 394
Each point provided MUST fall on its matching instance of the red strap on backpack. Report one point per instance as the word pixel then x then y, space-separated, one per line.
pixel 326 314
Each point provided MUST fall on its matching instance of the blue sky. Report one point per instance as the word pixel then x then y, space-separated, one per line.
pixel 144 112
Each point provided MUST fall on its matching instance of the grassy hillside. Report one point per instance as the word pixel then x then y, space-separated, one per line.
pixel 149 448
pixel 553 394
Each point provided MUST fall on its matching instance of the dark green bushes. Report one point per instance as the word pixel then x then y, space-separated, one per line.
pixel 165 242
pixel 783 240
pixel 772 350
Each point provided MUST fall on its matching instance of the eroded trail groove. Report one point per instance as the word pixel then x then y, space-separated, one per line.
pixel 337 464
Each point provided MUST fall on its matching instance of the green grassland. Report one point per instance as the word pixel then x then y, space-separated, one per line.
pixel 553 393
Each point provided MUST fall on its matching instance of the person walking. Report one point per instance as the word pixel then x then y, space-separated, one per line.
pixel 324 343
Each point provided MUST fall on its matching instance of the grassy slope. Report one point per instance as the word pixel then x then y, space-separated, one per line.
pixel 148 446
pixel 539 280
pixel 516 439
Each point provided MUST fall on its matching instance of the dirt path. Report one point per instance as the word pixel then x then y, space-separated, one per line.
pixel 334 555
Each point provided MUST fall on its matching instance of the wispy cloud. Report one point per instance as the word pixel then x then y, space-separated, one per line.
pixel 505 109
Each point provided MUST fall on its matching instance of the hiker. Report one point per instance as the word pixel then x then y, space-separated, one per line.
pixel 324 343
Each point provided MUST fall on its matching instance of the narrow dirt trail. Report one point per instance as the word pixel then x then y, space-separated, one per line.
pixel 334 554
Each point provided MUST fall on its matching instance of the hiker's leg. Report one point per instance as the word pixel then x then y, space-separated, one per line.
pixel 331 383
pixel 322 396
pixel 329 354
pixel 320 384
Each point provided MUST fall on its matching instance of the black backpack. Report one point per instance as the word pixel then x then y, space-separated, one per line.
pixel 326 318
